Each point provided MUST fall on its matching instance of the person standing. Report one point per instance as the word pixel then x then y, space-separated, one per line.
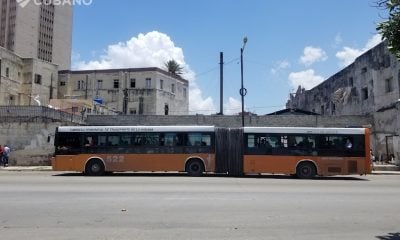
pixel 6 155
pixel 1 155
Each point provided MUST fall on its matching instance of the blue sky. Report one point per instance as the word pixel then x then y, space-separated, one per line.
pixel 289 43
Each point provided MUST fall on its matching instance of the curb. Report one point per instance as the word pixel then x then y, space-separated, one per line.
pixel 20 169
pixel 385 173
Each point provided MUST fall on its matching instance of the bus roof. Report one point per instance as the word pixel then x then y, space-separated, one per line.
pixel 305 130
pixel 136 129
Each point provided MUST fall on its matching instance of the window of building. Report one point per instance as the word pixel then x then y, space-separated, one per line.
pixel 364 93
pixel 166 109
pixel 116 83
pixel 99 84
pixel 11 100
pixel 322 110
pixel 38 79
pixel 333 108
pixel 7 72
pixel 148 82
pixel 132 111
pixel 184 93
pixel 364 70
pixel 81 85
pixel 62 83
pixel 389 85
pixel 133 83
pixel 161 84
pixel 351 82
pixel 173 88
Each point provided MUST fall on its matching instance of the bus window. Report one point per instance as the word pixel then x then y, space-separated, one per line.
pixel 102 140
pixel 251 141
pixel 169 139
pixel 68 142
pixel 194 139
pixel 90 141
pixel 126 140
pixel 151 139
pixel 206 140
pixel 113 140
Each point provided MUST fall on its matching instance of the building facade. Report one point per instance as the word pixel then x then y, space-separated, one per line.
pixel 368 86
pixel 42 31
pixel 26 81
pixel 131 91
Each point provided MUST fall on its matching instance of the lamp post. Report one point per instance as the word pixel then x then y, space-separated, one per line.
pixel 243 91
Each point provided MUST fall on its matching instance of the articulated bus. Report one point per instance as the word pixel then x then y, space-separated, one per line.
pixel 303 152
pixel 97 150
pixel 307 152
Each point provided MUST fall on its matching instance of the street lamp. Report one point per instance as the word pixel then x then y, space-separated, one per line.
pixel 243 91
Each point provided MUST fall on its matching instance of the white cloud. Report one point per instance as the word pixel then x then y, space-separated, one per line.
pixel 312 55
pixel 306 79
pixel 280 65
pixel 347 55
pixel 233 106
pixel 152 49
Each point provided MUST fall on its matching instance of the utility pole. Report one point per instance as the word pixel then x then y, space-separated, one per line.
pixel 86 87
pixel 125 101
pixel 243 91
pixel 221 86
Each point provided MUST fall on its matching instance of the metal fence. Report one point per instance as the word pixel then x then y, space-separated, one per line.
pixel 10 113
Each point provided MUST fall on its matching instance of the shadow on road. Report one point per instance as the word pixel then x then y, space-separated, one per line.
pixel 263 176
pixel 390 236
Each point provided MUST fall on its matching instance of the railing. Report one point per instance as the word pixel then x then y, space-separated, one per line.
pixel 32 112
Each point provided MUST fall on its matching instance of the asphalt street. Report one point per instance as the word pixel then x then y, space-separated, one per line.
pixel 53 205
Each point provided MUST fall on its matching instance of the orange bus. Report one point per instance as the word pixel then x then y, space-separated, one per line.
pixel 306 152
pixel 96 150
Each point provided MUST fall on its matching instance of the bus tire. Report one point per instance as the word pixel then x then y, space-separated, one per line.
pixel 95 167
pixel 306 170
pixel 194 168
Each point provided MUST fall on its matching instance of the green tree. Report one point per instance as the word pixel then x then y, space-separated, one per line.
pixel 174 67
pixel 390 29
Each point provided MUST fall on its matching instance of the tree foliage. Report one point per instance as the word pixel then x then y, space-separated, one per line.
pixel 173 67
pixel 390 29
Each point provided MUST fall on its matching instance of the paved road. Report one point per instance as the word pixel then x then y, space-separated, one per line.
pixel 44 205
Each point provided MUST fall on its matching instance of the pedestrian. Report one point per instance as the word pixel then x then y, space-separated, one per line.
pixel 372 155
pixel 6 155
pixel 1 155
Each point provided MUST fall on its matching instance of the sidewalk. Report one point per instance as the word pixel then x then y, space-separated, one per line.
pixel 31 168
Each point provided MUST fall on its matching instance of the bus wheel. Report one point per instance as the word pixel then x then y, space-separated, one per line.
pixel 95 167
pixel 195 168
pixel 306 170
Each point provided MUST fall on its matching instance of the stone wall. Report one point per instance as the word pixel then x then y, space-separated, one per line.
pixel 234 121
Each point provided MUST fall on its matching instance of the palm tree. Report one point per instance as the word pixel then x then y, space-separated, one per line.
pixel 174 67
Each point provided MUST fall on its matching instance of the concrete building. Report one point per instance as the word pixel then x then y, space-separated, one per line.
pixel 42 31
pixel 141 91
pixel 368 86
pixel 26 81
